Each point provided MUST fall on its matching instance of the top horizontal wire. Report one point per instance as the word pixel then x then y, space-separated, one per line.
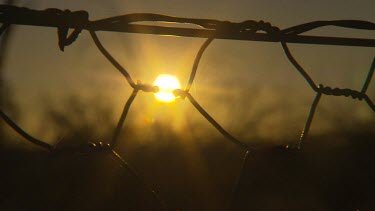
pixel 246 30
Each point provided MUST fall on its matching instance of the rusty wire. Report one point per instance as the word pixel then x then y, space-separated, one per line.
pixel 211 29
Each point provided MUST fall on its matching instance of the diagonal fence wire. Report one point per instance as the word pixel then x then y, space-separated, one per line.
pixel 326 90
pixel 123 117
pixel 236 185
pixel 196 63
pixel 135 174
pixel 112 60
pixel 23 133
pixel 210 29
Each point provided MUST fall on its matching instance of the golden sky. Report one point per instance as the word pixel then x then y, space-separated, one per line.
pixel 249 87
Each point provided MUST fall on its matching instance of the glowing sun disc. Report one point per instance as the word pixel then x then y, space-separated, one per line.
pixel 167 84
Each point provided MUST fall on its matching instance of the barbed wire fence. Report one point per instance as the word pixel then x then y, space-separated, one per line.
pixel 210 29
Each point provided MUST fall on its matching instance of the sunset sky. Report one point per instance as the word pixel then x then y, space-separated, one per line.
pixel 71 98
pixel 248 87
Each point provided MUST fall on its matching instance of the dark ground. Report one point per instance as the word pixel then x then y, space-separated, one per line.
pixel 321 176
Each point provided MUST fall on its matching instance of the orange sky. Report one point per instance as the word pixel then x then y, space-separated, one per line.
pixel 239 83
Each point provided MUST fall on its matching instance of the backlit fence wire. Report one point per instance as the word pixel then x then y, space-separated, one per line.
pixel 209 29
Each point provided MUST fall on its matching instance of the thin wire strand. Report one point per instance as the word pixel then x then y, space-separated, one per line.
pixel 123 117
pixel 12 124
pixel 369 102
pixel 135 173
pixel 3 28
pixel 216 124
pixel 23 133
pixel 142 17
pixel 369 77
pixel 298 67
pixel 112 60
pixel 196 62
pixel 353 24
pixel 237 184
pixel 309 119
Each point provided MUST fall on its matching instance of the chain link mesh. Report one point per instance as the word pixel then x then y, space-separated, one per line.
pixel 63 20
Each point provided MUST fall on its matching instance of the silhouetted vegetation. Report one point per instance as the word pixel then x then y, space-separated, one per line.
pixel 331 172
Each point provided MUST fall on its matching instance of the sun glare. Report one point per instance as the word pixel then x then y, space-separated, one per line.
pixel 167 84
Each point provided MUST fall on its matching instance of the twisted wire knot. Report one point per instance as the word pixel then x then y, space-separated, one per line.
pixel 146 87
pixel 249 26
pixel 180 93
pixel 66 17
pixel 254 26
pixel 341 92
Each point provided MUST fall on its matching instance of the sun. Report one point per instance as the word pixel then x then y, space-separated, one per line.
pixel 167 84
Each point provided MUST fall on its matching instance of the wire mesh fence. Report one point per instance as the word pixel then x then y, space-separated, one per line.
pixel 210 29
